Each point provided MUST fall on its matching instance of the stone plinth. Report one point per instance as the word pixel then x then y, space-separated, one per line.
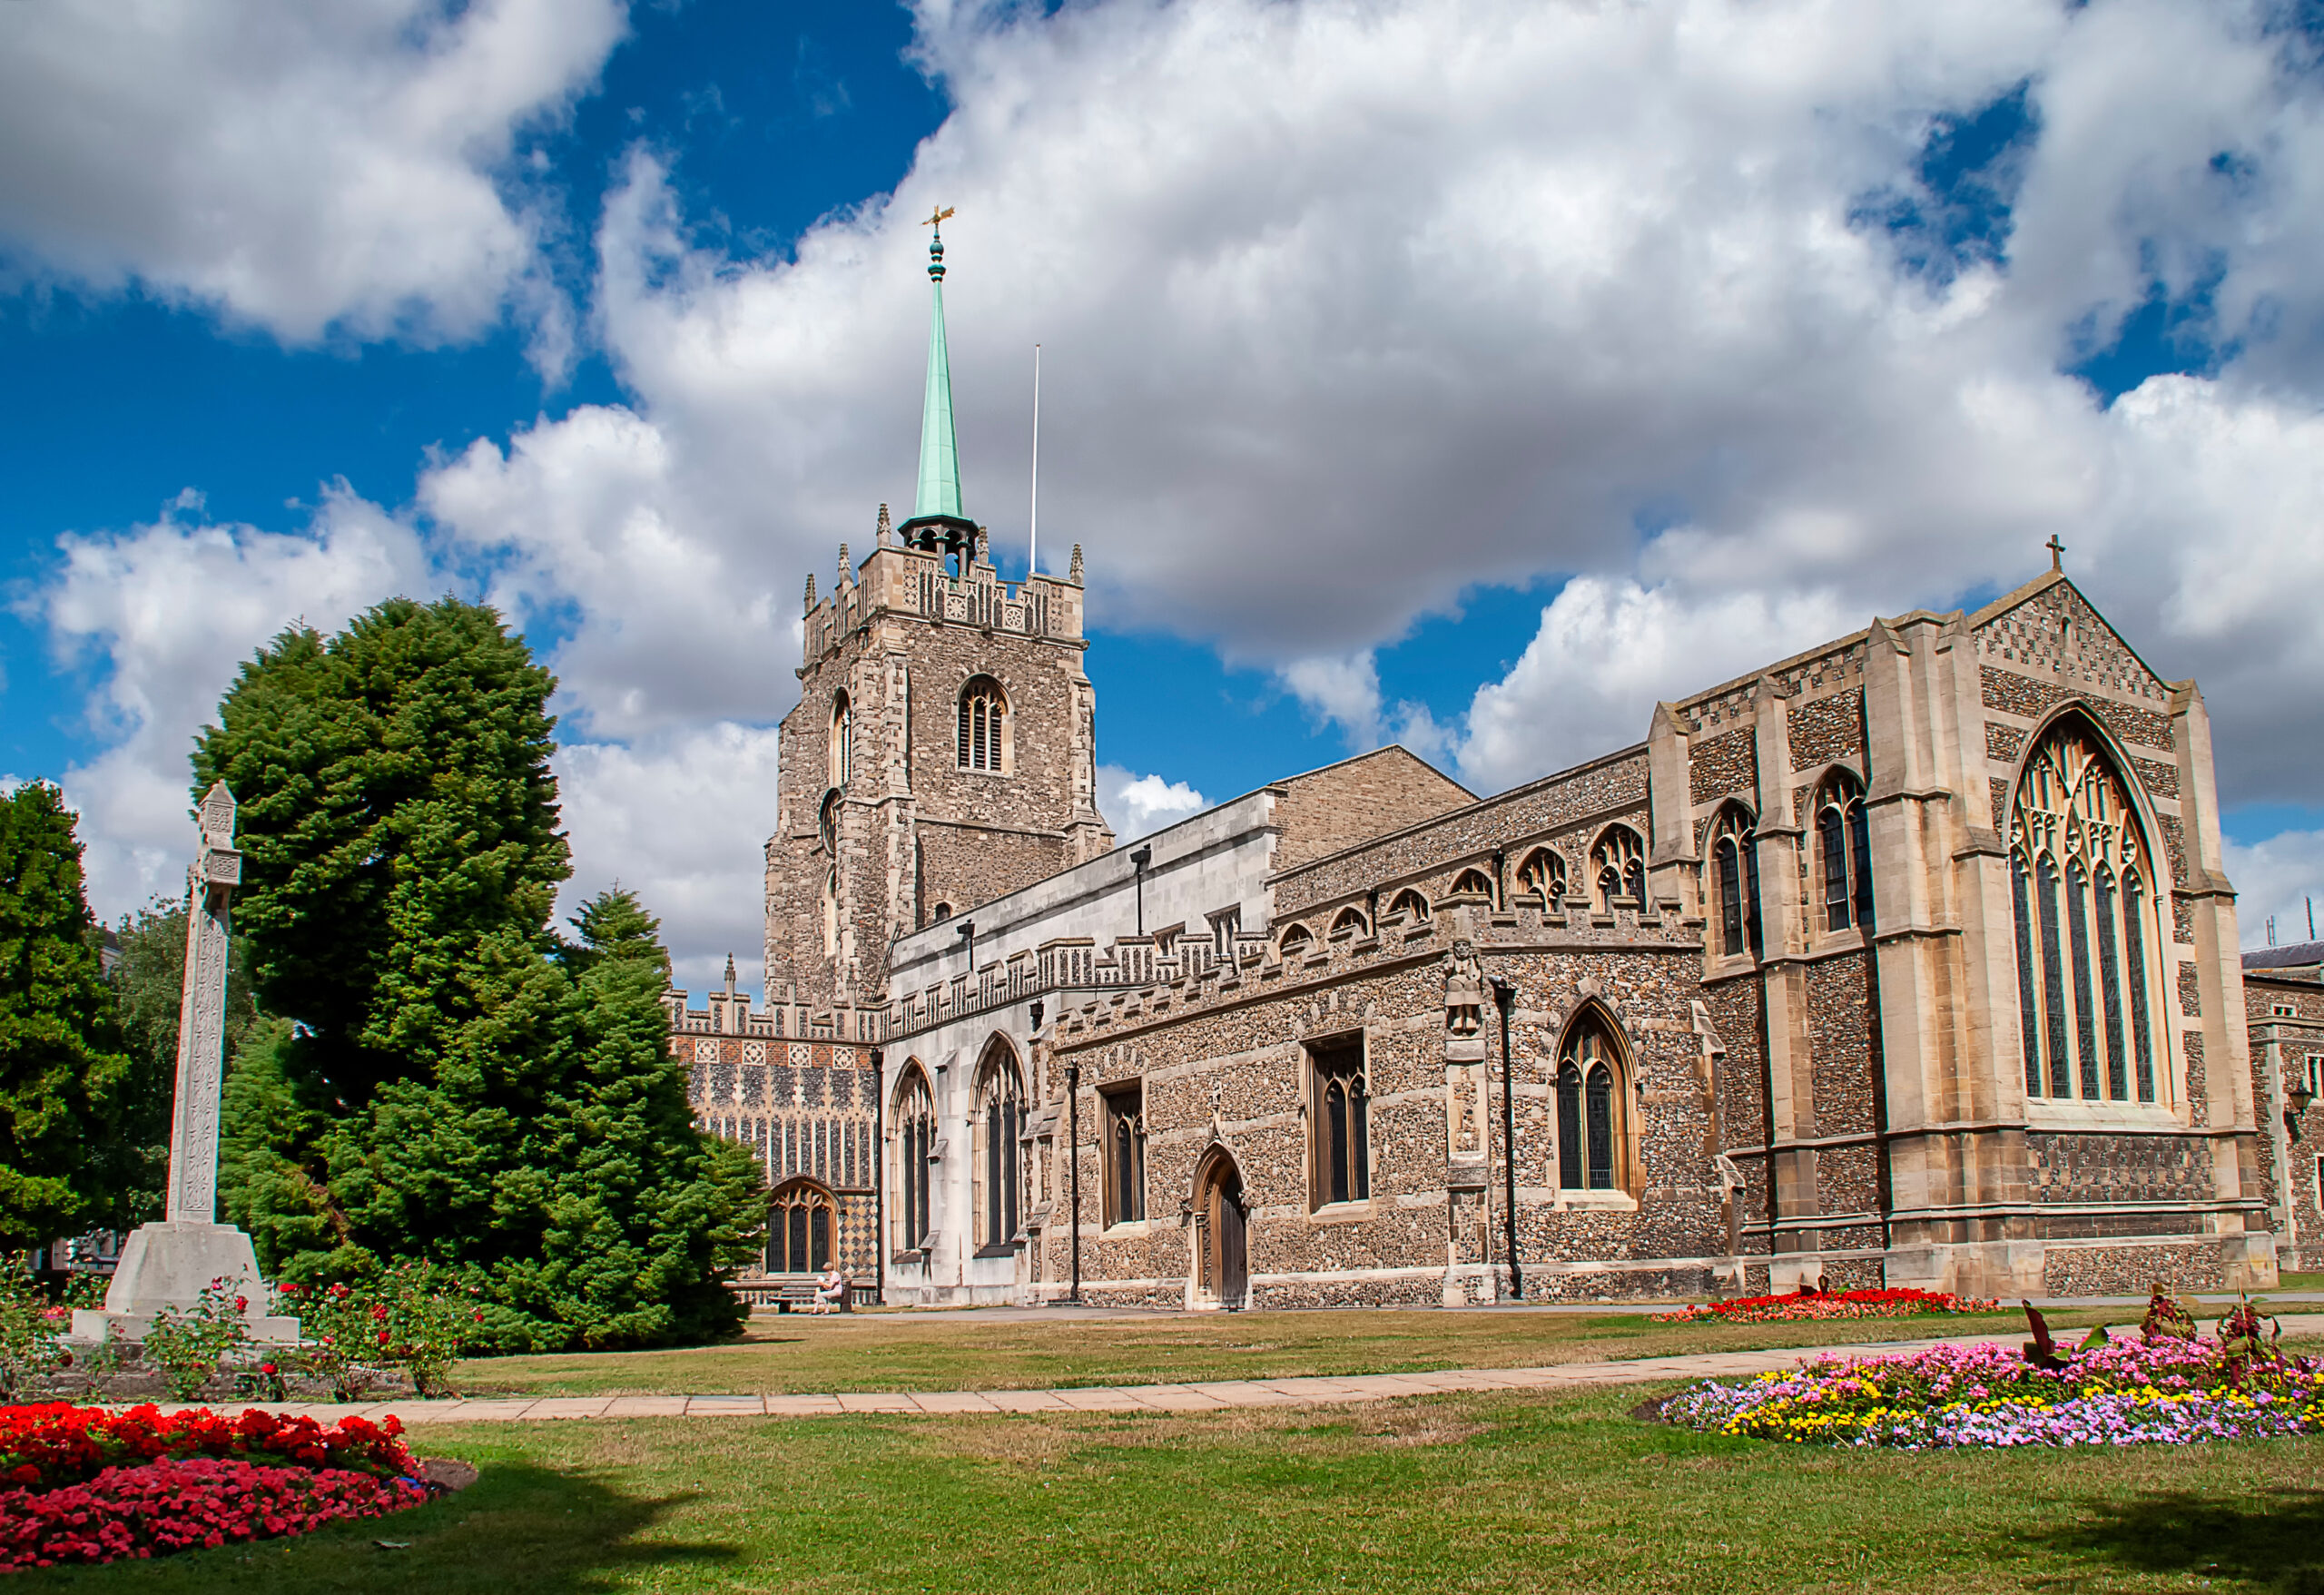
pixel 168 1266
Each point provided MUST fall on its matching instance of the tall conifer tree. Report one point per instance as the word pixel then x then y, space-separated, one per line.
pixel 66 1082
pixel 448 1092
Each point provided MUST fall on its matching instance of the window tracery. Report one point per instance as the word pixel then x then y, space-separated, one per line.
pixel 799 1229
pixel 915 1145
pixel 1410 905
pixel 1735 881
pixel 1472 883
pixel 1542 875
pixel 1296 939
pixel 1001 1127
pixel 1844 852
pixel 1350 921
pixel 1618 863
pixel 1125 1155
pixel 2084 909
pixel 1339 1115
pixel 983 725
pixel 1592 1134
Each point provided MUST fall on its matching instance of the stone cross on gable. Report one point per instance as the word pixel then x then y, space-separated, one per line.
pixel 201 1013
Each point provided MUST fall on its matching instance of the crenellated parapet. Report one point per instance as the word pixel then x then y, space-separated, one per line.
pixel 918 583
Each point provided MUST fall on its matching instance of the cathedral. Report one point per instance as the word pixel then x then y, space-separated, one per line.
pixel 1908 960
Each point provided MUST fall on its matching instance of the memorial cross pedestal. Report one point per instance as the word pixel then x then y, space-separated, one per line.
pixel 169 1265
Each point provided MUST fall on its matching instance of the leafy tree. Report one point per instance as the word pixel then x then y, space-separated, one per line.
pixel 148 978
pixel 614 924
pixel 66 1078
pixel 448 1091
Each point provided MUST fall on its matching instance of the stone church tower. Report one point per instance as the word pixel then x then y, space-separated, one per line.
pixel 943 750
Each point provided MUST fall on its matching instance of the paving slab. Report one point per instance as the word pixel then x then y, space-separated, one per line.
pixel 793 1406
pixel 646 1406
pixel 1026 1400
pixel 591 1406
pixel 876 1401
pixel 953 1401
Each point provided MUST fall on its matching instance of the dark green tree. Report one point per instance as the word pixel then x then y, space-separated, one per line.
pixel 67 1155
pixel 447 1090
pixel 148 977
pixel 614 924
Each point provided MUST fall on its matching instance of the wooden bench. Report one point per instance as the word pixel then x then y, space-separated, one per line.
pixel 783 1292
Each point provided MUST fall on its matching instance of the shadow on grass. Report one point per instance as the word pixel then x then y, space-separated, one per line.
pixel 2275 1541
pixel 520 1529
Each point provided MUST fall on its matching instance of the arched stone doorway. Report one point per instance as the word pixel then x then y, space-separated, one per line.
pixel 1222 1235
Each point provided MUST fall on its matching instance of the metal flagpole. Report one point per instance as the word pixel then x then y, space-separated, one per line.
pixel 1033 548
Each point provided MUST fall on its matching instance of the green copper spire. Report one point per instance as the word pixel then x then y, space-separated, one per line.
pixel 939 460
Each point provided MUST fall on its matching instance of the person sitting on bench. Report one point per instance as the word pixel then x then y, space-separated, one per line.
pixel 830 1290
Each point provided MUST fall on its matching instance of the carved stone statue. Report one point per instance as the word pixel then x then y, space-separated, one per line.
pixel 1464 990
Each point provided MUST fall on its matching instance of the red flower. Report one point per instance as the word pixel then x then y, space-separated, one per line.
pixel 241 1304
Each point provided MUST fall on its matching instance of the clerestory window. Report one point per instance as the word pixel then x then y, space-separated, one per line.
pixel 1339 1119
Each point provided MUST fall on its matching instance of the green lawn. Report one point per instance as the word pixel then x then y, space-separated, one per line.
pixel 1453 1493
pixel 804 1355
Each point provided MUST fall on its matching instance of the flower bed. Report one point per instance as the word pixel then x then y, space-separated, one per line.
pixel 155 1508
pixel 1807 1304
pixel 2167 1391
pixel 89 1485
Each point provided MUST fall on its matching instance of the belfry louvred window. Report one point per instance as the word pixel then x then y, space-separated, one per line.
pixel 2083 903
pixel 984 717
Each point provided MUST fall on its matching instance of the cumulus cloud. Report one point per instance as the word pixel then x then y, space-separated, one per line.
pixel 302 167
pixel 164 614
pixel 1139 805
pixel 1709 307
pixel 2279 877
pixel 682 820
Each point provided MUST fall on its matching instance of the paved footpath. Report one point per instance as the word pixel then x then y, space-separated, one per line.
pixel 1213 1395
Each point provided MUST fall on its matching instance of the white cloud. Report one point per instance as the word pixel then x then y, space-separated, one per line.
pixel 302 167
pixel 164 613
pixel 682 821
pixel 1348 307
pixel 1138 805
pixel 2282 876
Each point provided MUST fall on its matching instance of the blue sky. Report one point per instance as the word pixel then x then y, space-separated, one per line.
pixel 1464 373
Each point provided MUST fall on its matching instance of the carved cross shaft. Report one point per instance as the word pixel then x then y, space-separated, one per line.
pixel 202 1014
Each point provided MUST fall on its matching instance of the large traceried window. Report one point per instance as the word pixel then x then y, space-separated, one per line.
pixel 1735 881
pixel 984 724
pixel 1618 864
pixel 842 752
pixel 2083 899
pixel 1843 853
pixel 1125 1153
pixel 799 1229
pixel 915 1145
pixel 1339 1112
pixel 1590 1133
pixel 1000 1128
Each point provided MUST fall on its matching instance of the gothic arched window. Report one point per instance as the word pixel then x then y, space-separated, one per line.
pixel 915 1145
pixel 1618 864
pixel 843 749
pixel 1843 853
pixel 1295 941
pixel 799 1229
pixel 1125 1160
pixel 1735 881
pixel 1590 1132
pixel 1473 883
pixel 2082 898
pixel 1350 922
pixel 1411 905
pixel 1340 1109
pixel 984 725
pixel 1542 875
pixel 1000 1128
